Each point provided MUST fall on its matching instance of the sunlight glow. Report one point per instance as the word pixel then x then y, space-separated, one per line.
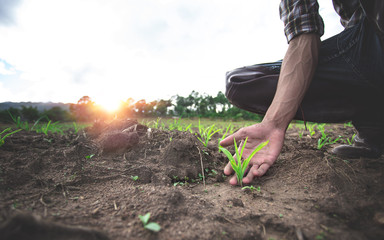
pixel 110 105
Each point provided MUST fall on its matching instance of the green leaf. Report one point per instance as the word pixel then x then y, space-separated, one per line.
pixel 144 219
pixel 153 226
pixel 258 148
pixel 227 153
pixel 5 130
pixel 242 148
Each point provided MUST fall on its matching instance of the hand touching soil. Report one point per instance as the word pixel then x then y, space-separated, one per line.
pixel 263 159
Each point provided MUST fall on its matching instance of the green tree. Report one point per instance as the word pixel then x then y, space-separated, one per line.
pixel 84 109
pixel 58 114
pixel 127 108
pixel 140 107
pixel 162 107
pixel 29 114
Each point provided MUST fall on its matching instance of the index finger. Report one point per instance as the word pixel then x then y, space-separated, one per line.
pixel 228 141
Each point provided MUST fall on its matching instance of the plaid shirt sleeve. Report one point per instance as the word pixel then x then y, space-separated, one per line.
pixel 300 16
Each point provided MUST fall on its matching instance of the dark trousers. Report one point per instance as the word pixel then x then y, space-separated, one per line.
pixel 348 84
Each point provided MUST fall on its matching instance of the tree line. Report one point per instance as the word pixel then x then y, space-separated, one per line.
pixel 194 105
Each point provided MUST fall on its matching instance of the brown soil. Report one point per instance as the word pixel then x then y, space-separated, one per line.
pixel 307 194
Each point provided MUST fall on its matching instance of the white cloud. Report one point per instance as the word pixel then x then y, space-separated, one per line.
pixel 137 48
pixel 4 70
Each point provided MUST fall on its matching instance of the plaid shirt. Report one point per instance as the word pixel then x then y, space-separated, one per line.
pixel 302 16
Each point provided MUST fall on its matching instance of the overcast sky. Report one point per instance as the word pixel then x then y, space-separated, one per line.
pixel 59 51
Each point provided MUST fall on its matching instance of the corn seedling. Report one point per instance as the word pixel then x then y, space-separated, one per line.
pixel 301 134
pixel 212 173
pixel 350 140
pixel 75 127
pixel 19 124
pixel 37 122
pixel 46 128
pixel 238 166
pixel 175 125
pixel 181 183
pixel 206 134
pixel 89 156
pixel 322 140
pixel 325 140
pixel 157 124
pixel 135 178
pixel 311 129
pixel 252 188
pixel 149 225
pixel 226 131
pixel 2 138
pixel 188 128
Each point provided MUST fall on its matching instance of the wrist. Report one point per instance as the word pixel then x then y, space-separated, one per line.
pixel 280 114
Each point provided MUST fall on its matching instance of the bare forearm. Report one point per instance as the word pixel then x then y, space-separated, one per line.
pixel 297 70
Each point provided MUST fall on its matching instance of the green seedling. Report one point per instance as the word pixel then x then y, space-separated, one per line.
pixel 201 177
pixel 149 225
pixel 188 128
pixel 301 134
pixel 46 128
pixel 213 173
pixel 135 178
pixel 2 138
pixel 180 184
pixel 18 122
pixel 325 140
pixel 350 140
pixel 176 125
pixel 252 188
pixel 37 122
pixel 311 129
pixel 89 156
pixel 155 124
pixel 226 131
pixel 75 127
pixel 206 134
pixel 322 142
pixel 238 166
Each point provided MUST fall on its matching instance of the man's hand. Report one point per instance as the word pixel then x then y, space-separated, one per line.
pixel 297 70
pixel 263 159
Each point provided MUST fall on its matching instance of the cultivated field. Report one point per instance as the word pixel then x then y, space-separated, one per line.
pixel 99 183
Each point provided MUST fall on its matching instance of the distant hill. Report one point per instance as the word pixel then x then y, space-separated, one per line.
pixel 41 106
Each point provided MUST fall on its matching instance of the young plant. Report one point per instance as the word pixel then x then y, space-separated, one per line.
pixel 89 156
pixel 149 225
pixel 252 188
pixel 311 129
pixel 226 131
pixel 238 166
pixel 135 178
pixel 350 140
pixel 75 127
pixel 18 122
pixel 46 128
pixel 206 134
pixel 188 128
pixel 176 125
pixel 2 138
pixel 325 140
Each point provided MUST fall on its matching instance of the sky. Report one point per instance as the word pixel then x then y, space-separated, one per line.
pixel 61 50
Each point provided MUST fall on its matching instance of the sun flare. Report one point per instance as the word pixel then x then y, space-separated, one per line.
pixel 110 105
